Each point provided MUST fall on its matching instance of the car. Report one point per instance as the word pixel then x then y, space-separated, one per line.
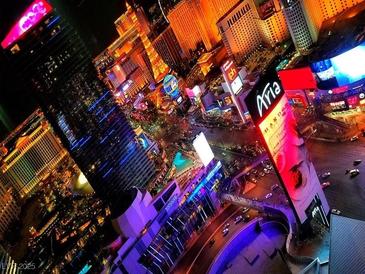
pixel 238 219
pixel 268 195
pixel 326 175
pixel 246 218
pixel 262 174
pixel 226 225
pixel 255 199
pixel 354 138
pixel 273 187
pixel 354 172
pixel 357 162
pixel 336 211
pixel 325 184
pixel 211 242
pixel 225 231
pixel 245 210
pixel 266 171
pixel 254 171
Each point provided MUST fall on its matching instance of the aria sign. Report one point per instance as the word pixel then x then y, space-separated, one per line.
pixel 264 96
pixel 267 96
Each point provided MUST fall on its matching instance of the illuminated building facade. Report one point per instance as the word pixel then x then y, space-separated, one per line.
pixel 168 48
pixel 239 30
pixel 188 26
pixel 83 113
pixel 136 21
pixel 194 21
pixel 33 151
pixel 8 265
pixel 9 209
pixel 271 22
pixel 322 10
pixel 131 62
pixel 299 25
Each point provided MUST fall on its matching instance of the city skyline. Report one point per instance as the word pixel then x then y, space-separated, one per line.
pixel 182 136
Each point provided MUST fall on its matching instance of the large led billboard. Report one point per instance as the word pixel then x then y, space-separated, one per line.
pixel 203 149
pixel 31 17
pixel 272 115
pixel 300 78
pixel 342 69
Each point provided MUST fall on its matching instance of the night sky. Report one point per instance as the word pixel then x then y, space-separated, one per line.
pixel 16 100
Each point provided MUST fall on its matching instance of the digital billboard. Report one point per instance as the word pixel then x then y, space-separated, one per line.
pixel 342 69
pixel 203 149
pixel 171 86
pixel 300 78
pixel 272 115
pixel 31 17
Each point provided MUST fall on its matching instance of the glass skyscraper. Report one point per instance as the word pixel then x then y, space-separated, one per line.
pixel 49 54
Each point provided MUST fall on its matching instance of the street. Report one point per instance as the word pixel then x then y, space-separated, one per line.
pixel 345 193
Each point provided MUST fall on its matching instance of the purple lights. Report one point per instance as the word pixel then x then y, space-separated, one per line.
pixel 33 15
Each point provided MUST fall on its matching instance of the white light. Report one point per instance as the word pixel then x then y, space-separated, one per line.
pixel 82 179
pixel 203 149
pixel 236 85
pixel 351 64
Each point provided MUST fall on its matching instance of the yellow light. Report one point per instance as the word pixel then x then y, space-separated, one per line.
pixel 82 179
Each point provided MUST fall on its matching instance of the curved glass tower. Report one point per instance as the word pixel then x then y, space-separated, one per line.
pixel 53 60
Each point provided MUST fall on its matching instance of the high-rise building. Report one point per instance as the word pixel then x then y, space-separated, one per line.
pixel 239 30
pixel 7 264
pixel 9 209
pixel 135 20
pixel 52 58
pixel 194 21
pixel 299 25
pixel 271 21
pixel 168 48
pixel 31 152
pixel 189 27
pixel 322 10
pixel 210 11
pixel 131 62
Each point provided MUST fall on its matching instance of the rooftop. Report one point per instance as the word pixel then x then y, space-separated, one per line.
pixel 341 33
pixel 347 248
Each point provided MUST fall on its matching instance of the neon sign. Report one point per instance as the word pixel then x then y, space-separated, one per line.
pixel 32 16
pixel 230 71
pixel 270 91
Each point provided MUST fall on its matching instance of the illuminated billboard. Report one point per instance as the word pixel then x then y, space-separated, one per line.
pixel 342 69
pixel 272 115
pixel 237 85
pixel 300 78
pixel 31 17
pixel 230 71
pixel 171 86
pixel 203 149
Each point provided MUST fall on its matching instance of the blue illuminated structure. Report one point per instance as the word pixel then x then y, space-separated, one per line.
pixel 171 86
pixel 56 64
pixel 205 182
